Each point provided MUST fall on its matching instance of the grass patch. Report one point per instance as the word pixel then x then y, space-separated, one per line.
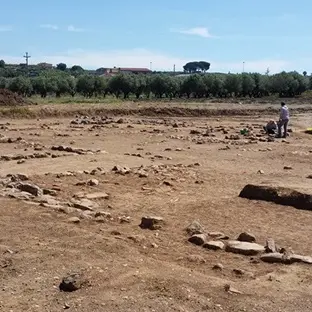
pixel 75 100
pixel 17 112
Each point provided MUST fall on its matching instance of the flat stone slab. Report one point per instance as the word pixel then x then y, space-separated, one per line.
pixel 276 257
pixel 84 204
pixel 278 195
pixel 214 245
pixel 95 195
pixel 244 248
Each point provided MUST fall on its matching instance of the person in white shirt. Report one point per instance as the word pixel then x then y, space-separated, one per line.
pixel 283 121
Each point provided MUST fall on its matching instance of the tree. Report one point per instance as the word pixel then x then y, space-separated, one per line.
pixel 233 84
pixel 121 83
pixel 40 86
pixel 193 84
pixel 100 85
pixel 139 85
pixel 204 66
pixel 217 88
pixel 2 82
pixel 248 84
pixel 76 70
pixel 21 85
pixel 304 73
pixel 2 64
pixel 85 85
pixel 61 66
pixel 262 85
pixel 159 84
pixel 193 67
pixel 285 84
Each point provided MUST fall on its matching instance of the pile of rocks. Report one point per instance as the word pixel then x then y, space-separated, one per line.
pixel 95 120
pixel 83 204
pixel 20 157
pixel 244 244
pixel 70 149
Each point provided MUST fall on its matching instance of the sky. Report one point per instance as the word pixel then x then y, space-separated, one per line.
pixel 233 35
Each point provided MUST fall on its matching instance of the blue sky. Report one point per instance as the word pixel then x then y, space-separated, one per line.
pixel 134 33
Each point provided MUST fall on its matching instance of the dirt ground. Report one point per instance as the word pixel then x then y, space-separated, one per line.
pixel 188 177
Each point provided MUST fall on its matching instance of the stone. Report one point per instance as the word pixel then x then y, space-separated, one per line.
pixel 241 273
pixel 103 214
pixel 285 258
pixel 270 246
pixel 278 195
pixel 287 167
pixel 30 188
pixel 198 239
pixel 72 282
pixel 298 258
pixel 74 220
pixel 127 219
pixel 142 174
pixel 244 248
pixel 218 235
pixel 84 204
pixel 214 245
pixel 93 182
pixel 195 228
pixel 246 237
pixel 260 172
pixel 121 170
pixel 275 257
pixel 48 199
pixel 151 223
pixel 20 195
pixel 196 259
pixel 18 177
pixel 218 267
pixel 95 195
pixel 228 288
pixel 49 192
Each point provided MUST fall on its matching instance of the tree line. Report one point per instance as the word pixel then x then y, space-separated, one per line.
pixel 200 85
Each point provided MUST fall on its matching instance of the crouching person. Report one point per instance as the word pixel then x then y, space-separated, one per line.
pixel 271 127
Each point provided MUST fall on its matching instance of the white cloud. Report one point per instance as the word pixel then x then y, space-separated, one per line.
pixel 49 26
pixel 74 29
pixel 160 61
pixel 196 31
pixel 4 28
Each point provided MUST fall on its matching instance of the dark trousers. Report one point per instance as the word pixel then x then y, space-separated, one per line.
pixel 282 123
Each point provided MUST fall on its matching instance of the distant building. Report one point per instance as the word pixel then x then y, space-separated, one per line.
pixel 45 65
pixel 135 70
pixel 125 70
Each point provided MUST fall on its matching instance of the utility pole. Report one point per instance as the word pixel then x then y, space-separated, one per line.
pixel 27 56
pixel 174 68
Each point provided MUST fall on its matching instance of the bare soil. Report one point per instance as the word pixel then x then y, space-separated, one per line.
pixel 8 98
pixel 190 177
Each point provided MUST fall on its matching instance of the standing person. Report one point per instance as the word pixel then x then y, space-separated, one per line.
pixel 283 121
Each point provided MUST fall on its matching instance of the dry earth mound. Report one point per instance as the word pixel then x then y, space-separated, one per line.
pixel 9 98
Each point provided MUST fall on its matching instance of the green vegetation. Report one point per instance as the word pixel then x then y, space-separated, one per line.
pixel 63 82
